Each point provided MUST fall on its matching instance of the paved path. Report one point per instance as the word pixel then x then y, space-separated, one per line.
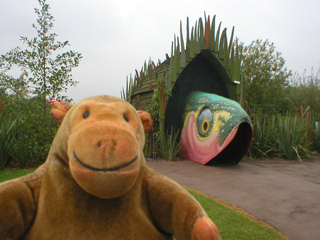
pixel 283 194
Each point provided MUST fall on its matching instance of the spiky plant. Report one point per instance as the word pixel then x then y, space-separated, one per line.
pixel 262 142
pixel 169 147
pixel 6 126
pixel 291 138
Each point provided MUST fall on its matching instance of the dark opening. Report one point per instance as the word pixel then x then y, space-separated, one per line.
pixel 205 74
pixel 239 146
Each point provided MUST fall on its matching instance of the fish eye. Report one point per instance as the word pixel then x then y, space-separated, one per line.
pixel 205 125
pixel 205 122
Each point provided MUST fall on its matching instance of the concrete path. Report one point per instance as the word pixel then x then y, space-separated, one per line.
pixel 283 194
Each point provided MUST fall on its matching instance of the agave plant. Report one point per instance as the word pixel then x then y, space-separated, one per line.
pixel 291 138
pixel 126 93
pixel 19 152
pixel 316 137
pixel 262 142
pixel 169 147
pixel 6 125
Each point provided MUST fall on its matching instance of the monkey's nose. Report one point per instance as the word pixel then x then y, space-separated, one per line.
pixel 111 143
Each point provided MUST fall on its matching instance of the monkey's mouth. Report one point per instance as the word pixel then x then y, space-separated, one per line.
pixel 104 169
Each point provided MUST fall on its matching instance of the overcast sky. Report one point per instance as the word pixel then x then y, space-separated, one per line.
pixel 116 37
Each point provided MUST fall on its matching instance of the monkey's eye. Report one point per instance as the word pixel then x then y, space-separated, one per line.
pixel 86 114
pixel 125 116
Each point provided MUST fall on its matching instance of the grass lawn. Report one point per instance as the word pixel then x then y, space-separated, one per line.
pixel 11 174
pixel 233 223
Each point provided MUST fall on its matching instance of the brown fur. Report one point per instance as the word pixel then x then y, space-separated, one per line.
pixel 95 185
pixel 59 110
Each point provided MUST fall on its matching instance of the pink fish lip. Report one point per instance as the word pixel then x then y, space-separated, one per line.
pixel 112 169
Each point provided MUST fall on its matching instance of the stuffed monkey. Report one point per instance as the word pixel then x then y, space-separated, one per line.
pixel 59 110
pixel 95 184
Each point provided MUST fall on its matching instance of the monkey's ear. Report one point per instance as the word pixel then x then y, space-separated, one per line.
pixel 59 110
pixel 146 120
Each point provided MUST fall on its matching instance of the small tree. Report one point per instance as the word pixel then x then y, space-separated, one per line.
pixel 46 74
pixel 264 77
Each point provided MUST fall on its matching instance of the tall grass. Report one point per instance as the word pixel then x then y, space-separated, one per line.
pixel 7 123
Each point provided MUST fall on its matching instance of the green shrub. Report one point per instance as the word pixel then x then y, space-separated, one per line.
pixel 7 124
pixel 34 129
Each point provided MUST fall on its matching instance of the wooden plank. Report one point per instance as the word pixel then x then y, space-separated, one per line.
pixel 191 54
pixel 222 46
pixel 188 42
pixel 213 34
pixel 218 38
pixel 207 33
pixel 201 35
pixel 183 50
pixel 196 40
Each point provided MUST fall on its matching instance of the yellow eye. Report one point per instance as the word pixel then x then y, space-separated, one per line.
pixel 205 126
pixel 205 122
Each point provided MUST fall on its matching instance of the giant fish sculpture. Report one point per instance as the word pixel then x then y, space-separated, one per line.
pixel 210 124
pixel 196 92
